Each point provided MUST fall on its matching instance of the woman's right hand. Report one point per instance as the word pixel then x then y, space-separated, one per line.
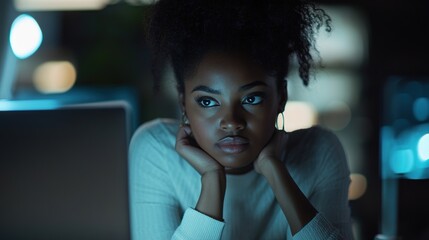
pixel 213 178
pixel 188 148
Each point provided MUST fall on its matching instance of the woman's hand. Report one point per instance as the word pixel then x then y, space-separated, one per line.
pixel 188 148
pixel 213 178
pixel 271 153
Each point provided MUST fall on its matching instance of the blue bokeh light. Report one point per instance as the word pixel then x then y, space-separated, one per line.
pixel 6 105
pixel 402 161
pixel 421 108
pixel 423 147
pixel 25 36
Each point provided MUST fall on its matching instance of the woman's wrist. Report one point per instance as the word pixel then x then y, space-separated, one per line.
pixel 269 166
pixel 214 178
pixel 213 186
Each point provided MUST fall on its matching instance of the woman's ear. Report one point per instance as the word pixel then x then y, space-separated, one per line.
pixel 184 119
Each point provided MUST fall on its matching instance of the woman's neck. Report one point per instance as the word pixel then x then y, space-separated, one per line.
pixel 239 171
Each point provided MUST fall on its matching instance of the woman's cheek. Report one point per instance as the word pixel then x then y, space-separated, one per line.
pixel 201 133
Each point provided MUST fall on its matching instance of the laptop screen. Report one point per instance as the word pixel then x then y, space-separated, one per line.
pixel 63 174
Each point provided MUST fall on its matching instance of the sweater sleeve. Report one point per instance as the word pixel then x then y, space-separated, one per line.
pixel 330 194
pixel 154 208
pixel 198 226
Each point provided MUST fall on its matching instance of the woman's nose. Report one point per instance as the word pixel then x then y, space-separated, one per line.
pixel 232 121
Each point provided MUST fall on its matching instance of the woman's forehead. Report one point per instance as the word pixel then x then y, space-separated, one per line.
pixel 223 66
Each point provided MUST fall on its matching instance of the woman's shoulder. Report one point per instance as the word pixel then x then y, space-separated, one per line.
pixel 316 138
pixel 315 146
pixel 156 133
pixel 157 128
pixel 158 124
pixel 152 148
pixel 315 149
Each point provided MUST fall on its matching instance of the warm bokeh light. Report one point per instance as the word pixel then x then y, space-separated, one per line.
pixel 57 5
pixel 338 117
pixel 54 77
pixel 357 186
pixel 25 36
pixel 298 115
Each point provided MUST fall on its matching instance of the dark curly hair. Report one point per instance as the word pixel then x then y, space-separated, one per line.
pixel 269 32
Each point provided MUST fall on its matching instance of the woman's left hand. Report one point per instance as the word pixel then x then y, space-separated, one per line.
pixel 271 153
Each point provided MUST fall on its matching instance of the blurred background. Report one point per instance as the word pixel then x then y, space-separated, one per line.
pixel 370 86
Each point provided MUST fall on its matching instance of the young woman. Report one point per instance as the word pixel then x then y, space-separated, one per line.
pixel 225 171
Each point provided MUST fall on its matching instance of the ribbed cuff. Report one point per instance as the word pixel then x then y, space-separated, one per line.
pixel 318 228
pixel 198 226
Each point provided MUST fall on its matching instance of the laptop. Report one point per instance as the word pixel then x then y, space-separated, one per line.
pixel 63 173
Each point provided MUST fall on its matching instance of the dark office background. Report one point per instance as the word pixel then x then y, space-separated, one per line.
pixel 110 55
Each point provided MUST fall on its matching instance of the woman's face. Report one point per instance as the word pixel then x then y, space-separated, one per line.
pixel 231 106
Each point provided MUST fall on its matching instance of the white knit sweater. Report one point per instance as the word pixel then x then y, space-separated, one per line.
pixel 164 189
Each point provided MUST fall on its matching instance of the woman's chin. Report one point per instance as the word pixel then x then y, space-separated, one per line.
pixel 239 170
pixel 236 166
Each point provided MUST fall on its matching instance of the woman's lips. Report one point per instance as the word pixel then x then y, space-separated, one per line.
pixel 233 144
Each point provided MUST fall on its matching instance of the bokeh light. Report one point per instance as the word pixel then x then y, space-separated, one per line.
pixel 402 161
pixel 338 117
pixel 60 5
pixel 423 147
pixel 54 77
pixel 298 115
pixel 25 36
pixel 357 186
pixel 421 109
pixel 16 105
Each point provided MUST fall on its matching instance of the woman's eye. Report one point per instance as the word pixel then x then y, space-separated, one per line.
pixel 207 102
pixel 253 100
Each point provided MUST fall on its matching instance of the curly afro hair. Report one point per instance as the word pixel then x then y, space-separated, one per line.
pixel 269 32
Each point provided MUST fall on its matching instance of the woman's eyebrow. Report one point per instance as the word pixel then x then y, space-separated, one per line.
pixel 206 89
pixel 242 88
pixel 253 84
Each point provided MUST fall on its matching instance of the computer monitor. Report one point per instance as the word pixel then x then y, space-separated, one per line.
pixel 63 173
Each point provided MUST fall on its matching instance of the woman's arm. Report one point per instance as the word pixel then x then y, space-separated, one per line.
pixel 330 194
pixel 155 209
pixel 213 179
pixel 294 204
pixel 155 212
pixel 212 194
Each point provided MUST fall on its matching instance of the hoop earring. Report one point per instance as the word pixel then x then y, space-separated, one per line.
pixel 184 120
pixel 282 122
